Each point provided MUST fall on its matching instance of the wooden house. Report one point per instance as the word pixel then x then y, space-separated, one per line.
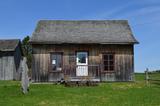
pixel 10 57
pixel 80 50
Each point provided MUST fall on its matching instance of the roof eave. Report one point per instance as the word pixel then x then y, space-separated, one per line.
pixel 8 50
pixel 33 42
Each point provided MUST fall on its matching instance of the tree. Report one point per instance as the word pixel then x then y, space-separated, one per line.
pixel 27 50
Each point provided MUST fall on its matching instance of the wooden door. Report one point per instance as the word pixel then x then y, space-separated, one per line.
pixel 82 64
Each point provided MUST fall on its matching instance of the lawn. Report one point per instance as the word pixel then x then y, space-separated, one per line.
pixel 107 94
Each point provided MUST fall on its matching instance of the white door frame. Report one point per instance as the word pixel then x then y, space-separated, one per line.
pixel 82 68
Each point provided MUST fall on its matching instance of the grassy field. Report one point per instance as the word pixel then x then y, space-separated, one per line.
pixel 107 94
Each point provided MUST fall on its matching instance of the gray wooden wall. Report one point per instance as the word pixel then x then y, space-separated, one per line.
pixel 7 67
pixel 124 60
pixel 9 64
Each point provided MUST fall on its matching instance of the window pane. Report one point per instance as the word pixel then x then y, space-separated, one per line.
pixel 105 57
pixel 56 62
pixel 106 68
pixel 82 58
pixel 111 68
pixel 53 67
pixel 110 62
pixel 53 57
pixel 105 62
pixel 111 57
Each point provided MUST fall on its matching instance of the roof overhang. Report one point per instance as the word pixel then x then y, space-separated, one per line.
pixel 105 43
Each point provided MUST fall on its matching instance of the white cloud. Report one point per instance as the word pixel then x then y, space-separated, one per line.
pixel 108 13
pixel 141 12
pixel 126 10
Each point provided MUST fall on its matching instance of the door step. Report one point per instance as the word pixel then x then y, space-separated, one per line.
pixel 82 79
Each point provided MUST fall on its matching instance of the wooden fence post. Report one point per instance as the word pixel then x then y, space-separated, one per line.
pixel 146 76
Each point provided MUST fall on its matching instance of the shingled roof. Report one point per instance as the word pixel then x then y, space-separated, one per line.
pixel 83 32
pixel 9 44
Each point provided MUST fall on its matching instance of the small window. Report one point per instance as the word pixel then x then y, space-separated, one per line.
pixel 82 57
pixel 56 62
pixel 108 62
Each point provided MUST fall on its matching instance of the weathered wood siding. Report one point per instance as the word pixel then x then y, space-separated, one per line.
pixel 9 65
pixel 124 65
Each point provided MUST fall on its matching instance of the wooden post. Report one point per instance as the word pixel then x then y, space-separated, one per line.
pixel 146 76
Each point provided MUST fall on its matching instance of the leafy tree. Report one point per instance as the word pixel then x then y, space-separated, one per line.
pixel 27 50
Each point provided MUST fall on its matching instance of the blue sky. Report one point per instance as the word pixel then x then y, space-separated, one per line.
pixel 18 18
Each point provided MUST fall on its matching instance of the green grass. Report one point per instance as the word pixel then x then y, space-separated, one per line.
pixel 106 94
